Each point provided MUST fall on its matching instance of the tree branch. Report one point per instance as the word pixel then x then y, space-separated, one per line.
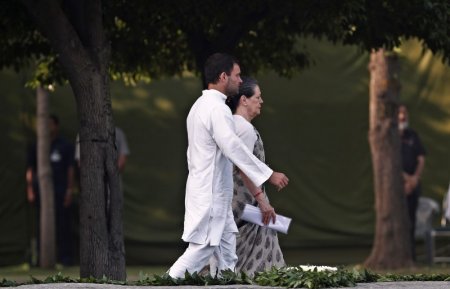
pixel 54 24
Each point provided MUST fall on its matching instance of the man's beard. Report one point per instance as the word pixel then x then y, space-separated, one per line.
pixel 231 91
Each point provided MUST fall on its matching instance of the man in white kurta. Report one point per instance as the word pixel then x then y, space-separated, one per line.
pixel 209 189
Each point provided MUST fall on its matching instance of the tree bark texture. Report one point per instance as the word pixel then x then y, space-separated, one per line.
pixel 101 200
pixel 78 38
pixel 391 248
pixel 47 251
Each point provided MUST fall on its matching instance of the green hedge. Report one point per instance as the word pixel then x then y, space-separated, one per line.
pixel 289 277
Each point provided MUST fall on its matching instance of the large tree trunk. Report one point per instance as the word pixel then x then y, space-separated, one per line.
pixel 77 36
pixel 391 248
pixel 101 242
pixel 47 252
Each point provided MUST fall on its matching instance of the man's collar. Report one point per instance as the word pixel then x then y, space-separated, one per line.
pixel 215 92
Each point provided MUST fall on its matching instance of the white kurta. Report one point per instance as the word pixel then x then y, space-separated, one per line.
pixel 213 146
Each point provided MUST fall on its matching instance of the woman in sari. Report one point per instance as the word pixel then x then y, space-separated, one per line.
pixel 257 247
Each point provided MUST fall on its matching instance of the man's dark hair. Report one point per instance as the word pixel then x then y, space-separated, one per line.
pixel 54 118
pixel 216 64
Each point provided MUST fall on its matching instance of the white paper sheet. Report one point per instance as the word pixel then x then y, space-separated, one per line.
pixel 253 215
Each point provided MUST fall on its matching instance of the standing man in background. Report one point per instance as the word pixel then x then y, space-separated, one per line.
pixel 62 164
pixel 413 162
pixel 213 147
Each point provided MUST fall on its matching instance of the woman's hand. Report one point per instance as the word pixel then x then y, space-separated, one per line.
pixel 267 211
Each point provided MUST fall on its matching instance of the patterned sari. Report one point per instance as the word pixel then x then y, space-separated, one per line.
pixel 257 247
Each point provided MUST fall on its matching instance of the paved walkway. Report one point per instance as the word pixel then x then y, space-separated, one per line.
pixel 377 285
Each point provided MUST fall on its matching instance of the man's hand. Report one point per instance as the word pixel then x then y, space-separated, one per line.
pixel 267 211
pixel 413 181
pixel 410 183
pixel 279 180
pixel 30 194
pixel 408 188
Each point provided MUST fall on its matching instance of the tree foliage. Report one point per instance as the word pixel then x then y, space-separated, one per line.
pixel 151 39
pixel 376 24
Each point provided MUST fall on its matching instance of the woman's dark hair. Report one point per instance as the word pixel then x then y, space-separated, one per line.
pixel 216 64
pixel 247 88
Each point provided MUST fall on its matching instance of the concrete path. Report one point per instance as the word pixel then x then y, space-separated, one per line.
pixel 377 285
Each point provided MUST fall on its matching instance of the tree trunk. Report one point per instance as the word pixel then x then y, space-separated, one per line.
pixel 47 252
pixel 101 236
pixel 84 55
pixel 391 248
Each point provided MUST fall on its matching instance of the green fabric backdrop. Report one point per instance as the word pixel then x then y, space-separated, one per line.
pixel 314 128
